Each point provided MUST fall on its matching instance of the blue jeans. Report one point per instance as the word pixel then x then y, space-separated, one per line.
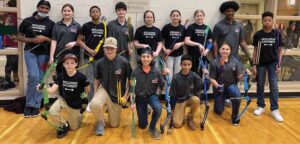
pixel 233 92
pixel 141 107
pixel 273 85
pixel 35 72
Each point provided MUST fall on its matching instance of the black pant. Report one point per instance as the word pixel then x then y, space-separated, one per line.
pixel 11 66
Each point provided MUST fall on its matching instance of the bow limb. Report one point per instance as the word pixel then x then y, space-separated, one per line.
pixel 132 101
pixel 204 65
pixel 246 97
pixel 44 89
pixel 167 97
pixel 98 47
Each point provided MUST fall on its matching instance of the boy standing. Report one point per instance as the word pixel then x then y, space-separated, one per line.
pixel 91 37
pixel 269 42
pixel 121 30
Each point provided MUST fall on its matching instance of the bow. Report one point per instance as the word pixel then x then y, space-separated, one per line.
pixel 130 30
pixel 132 100
pixel 91 58
pixel 167 97
pixel 246 97
pixel 205 78
pixel 44 89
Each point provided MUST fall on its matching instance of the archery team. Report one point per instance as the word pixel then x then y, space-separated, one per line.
pixel 107 73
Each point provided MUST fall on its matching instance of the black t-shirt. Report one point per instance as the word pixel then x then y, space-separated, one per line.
pixel 110 71
pixel 70 88
pixel 31 27
pixel 93 33
pixel 269 45
pixel 197 34
pixel 173 35
pixel 150 36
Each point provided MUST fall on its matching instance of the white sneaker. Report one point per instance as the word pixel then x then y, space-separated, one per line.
pixel 277 116
pixel 259 111
pixel 88 108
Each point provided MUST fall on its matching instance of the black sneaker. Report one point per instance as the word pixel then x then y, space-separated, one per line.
pixel 235 121
pixel 62 132
pixel 35 112
pixel 27 112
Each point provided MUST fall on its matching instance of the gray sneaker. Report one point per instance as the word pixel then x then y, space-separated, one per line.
pixel 100 128
pixel 154 133
pixel 228 103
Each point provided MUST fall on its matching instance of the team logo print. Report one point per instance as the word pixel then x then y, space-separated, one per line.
pixel 237 30
pixel 118 72
pixel 155 80
pixel 233 68
pixel 74 29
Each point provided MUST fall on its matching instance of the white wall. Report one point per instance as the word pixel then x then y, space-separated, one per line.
pixel 161 8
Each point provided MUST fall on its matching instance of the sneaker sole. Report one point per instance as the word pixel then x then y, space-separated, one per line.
pixel 99 134
pixel 259 114
pixel 27 116
pixel 33 116
pixel 276 119
pixel 153 136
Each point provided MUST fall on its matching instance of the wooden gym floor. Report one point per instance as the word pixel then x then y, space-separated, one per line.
pixel 14 129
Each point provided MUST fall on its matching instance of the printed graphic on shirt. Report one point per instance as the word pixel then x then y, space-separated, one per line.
pixel 268 41
pixel 97 32
pixel 237 30
pixel 192 85
pixel 118 72
pixel 175 34
pixel 149 35
pixel 200 32
pixel 155 80
pixel 38 28
pixel 69 85
pixel 74 29
pixel 234 68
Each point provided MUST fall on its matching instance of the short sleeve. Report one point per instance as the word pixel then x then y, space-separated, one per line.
pixel 216 33
pixel 159 37
pixel 255 40
pixel 213 70
pixel 189 31
pixel 54 32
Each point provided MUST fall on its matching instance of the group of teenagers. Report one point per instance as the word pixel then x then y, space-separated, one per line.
pixel 108 77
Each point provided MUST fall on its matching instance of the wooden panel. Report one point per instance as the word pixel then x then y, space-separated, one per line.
pixel 9 51
pixel 8 9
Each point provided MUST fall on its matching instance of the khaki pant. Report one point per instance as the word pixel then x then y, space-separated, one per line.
pixel 97 106
pixel 56 115
pixel 179 111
